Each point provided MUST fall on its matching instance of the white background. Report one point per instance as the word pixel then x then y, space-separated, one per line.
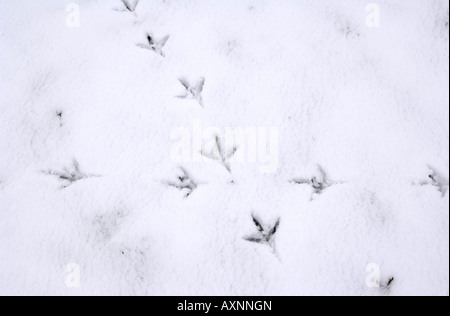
pixel 370 105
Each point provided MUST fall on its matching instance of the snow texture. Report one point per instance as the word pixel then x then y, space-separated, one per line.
pixel 87 180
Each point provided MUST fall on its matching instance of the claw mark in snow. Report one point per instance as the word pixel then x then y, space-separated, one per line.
pixel 386 286
pixel 59 114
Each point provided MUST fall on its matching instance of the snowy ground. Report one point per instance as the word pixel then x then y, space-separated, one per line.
pixel 370 105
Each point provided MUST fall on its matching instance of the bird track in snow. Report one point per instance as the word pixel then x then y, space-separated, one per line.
pixel 154 45
pixel 265 234
pixel 70 176
pixel 436 180
pixel 184 182
pixel 193 91
pixel 318 182
pixel 221 155
pixel 129 6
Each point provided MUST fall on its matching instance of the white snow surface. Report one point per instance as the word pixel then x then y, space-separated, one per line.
pixel 369 105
